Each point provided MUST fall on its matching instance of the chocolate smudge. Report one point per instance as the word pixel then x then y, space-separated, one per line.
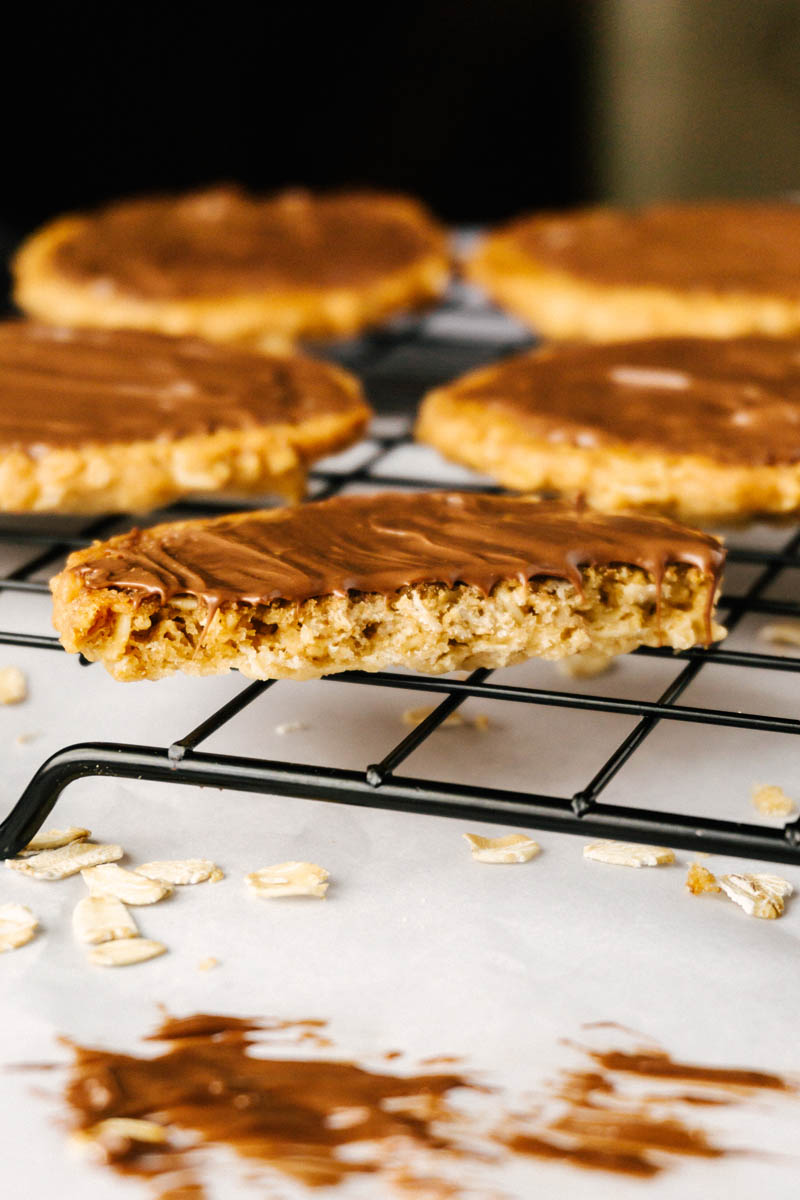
pixel 320 1121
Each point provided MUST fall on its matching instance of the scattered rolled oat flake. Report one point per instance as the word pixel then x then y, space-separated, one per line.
pixel 115 1130
pixel 587 664
pixel 66 860
pixel 98 919
pixel 781 633
pixel 699 880
pixel 290 727
pixel 289 879
pixel 208 964
pixel 181 871
pixel 54 839
pixel 124 952
pixel 22 739
pixel 127 886
pixel 13 685
pixel 629 854
pixel 512 848
pixel 454 720
pixel 772 801
pixel 17 926
pixel 759 895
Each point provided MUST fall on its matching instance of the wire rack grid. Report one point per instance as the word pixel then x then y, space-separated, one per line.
pixel 399 364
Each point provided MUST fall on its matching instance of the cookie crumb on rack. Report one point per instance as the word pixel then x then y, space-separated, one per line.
pixel 700 879
pixel 781 633
pixel 772 800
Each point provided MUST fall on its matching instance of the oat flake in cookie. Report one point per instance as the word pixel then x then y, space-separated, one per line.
pixel 120 420
pixel 434 581
pixel 694 427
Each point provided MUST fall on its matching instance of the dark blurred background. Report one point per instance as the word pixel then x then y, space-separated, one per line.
pixel 481 107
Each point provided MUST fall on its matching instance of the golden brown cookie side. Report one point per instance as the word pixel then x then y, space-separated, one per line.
pixel 610 478
pixel 565 308
pixel 429 628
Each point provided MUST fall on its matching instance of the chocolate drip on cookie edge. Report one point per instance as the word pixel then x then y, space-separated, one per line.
pixel 386 542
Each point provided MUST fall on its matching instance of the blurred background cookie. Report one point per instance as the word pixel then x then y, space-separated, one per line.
pixel 108 420
pixel 701 428
pixel 708 269
pixel 233 267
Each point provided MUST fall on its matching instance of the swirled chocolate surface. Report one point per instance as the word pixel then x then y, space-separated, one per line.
pixel 223 241
pixel 733 400
pixel 707 247
pixel 63 388
pixel 381 543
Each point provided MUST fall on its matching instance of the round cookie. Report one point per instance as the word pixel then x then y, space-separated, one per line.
pixel 709 269
pixel 122 420
pixel 694 427
pixel 434 581
pixel 232 267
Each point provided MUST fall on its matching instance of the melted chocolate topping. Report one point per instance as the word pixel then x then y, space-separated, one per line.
pixel 296 1113
pixel 62 387
pixel 734 401
pixel 384 542
pixel 751 248
pixel 223 241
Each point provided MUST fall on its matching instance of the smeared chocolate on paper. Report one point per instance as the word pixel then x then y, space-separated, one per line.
pixel 626 1111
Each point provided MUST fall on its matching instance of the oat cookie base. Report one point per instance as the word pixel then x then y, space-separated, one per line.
pixel 611 478
pixel 271 321
pixel 429 627
pixel 562 306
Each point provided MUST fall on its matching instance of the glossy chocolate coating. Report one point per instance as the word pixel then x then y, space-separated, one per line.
pixel 225 242
pixel 384 542
pixel 732 400
pixel 712 246
pixel 66 388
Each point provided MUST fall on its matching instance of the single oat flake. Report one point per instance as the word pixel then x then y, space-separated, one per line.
pixel 66 860
pixel 289 879
pixel 127 886
pixel 181 871
pixel 54 839
pixel 587 664
pixel 98 919
pixel 13 685
pixel 454 720
pixel 125 952
pixel 512 848
pixel 17 926
pixel 114 1132
pixel 781 633
pixel 629 854
pixel 759 895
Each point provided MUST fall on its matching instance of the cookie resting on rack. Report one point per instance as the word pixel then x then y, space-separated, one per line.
pixel 708 269
pixel 121 420
pixel 232 267
pixel 435 581
pixel 693 427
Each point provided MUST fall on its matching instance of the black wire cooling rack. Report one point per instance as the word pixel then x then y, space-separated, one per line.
pixel 397 365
